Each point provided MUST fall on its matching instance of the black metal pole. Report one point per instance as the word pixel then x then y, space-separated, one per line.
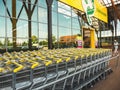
pixel 112 38
pixel 49 12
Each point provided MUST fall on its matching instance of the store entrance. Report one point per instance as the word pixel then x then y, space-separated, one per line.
pixel 89 37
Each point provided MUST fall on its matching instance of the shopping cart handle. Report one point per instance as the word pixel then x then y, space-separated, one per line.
pixel 82 56
pixel 48 63
pixel 68 59
pixel 76 57
pixel 59 60
pixel 1 70
pixel 35 65
pixel 20 67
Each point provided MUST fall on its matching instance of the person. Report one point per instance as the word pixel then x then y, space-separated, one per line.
pixel 115 47
pixel 79 41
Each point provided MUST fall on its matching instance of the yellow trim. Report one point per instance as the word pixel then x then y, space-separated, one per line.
pixel 92 42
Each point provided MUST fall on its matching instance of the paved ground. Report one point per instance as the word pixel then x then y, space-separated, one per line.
pixel 112 81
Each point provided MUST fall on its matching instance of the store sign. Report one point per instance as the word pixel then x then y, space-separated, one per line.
pixel 89 9
pixel 92 8
pixel 100 12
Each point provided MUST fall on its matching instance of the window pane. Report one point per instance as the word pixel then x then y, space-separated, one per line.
pixel 9 28
pixel 2 27
pixel 34 29
pixel 75 23
pixel 42 15
pixel 34 15
pixel 76 31
pixel 54 18
pixel 64 20
pixel 43 32
pixel 2 11
pixel 42 3
pixel 23 14
pixel 54 5
pixel 22 29
pixel 65 37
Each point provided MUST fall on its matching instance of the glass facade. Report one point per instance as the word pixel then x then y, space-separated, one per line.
pixel 16 23
pixel 107 37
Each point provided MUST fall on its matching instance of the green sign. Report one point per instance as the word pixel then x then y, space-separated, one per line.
pixel 89 8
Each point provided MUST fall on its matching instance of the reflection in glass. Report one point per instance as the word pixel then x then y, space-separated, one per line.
pixel 2 11
pixel 75 23
pixel 42 15
pixel 64 20
pixel 42 3
pixel 9 28
pixel 22 43
pixel 54 5
pixel 64 23
pixel 22 29
pixel 54 18
pixel 2 27
pixel 43 31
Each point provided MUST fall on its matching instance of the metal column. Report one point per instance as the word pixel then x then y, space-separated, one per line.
pixel 49 7
pixel 14 22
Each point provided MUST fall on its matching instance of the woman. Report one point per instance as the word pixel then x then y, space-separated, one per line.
pixel 115 47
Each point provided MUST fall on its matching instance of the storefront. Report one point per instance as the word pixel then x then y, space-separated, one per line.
pixel 65 22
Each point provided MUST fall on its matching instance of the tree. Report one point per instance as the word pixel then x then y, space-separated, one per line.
pixel 24 43
pixel 1 44
pixel 53 39
pixel 34 39
pixel 44 42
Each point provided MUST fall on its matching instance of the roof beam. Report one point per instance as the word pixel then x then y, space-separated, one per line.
pixel 116 10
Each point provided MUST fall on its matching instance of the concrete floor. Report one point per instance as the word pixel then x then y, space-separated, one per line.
pixel 112 81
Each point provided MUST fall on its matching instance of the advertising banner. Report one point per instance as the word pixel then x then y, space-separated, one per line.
pixel 92 8
pixel 100 12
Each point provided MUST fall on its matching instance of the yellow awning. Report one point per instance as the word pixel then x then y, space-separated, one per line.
pixel 73 3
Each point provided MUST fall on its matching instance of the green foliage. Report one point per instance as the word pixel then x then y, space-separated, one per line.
pixel 53 39
pixel 43 43
pixel 24 44
pixel 34 39
pixel 1 44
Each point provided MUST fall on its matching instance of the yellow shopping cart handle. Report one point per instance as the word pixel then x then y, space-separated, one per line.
pixel 19 68
pixel 68 59
pixel 35 64
pixel 1 70
pixel 59 60
pixel 48 63
pixel 76 57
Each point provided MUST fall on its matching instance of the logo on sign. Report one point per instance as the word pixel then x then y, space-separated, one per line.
pixel 89 8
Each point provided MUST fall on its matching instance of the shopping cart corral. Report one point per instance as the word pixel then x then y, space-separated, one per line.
pixel 60 69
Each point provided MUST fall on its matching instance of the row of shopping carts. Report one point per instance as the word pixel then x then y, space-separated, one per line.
pixel 59 69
